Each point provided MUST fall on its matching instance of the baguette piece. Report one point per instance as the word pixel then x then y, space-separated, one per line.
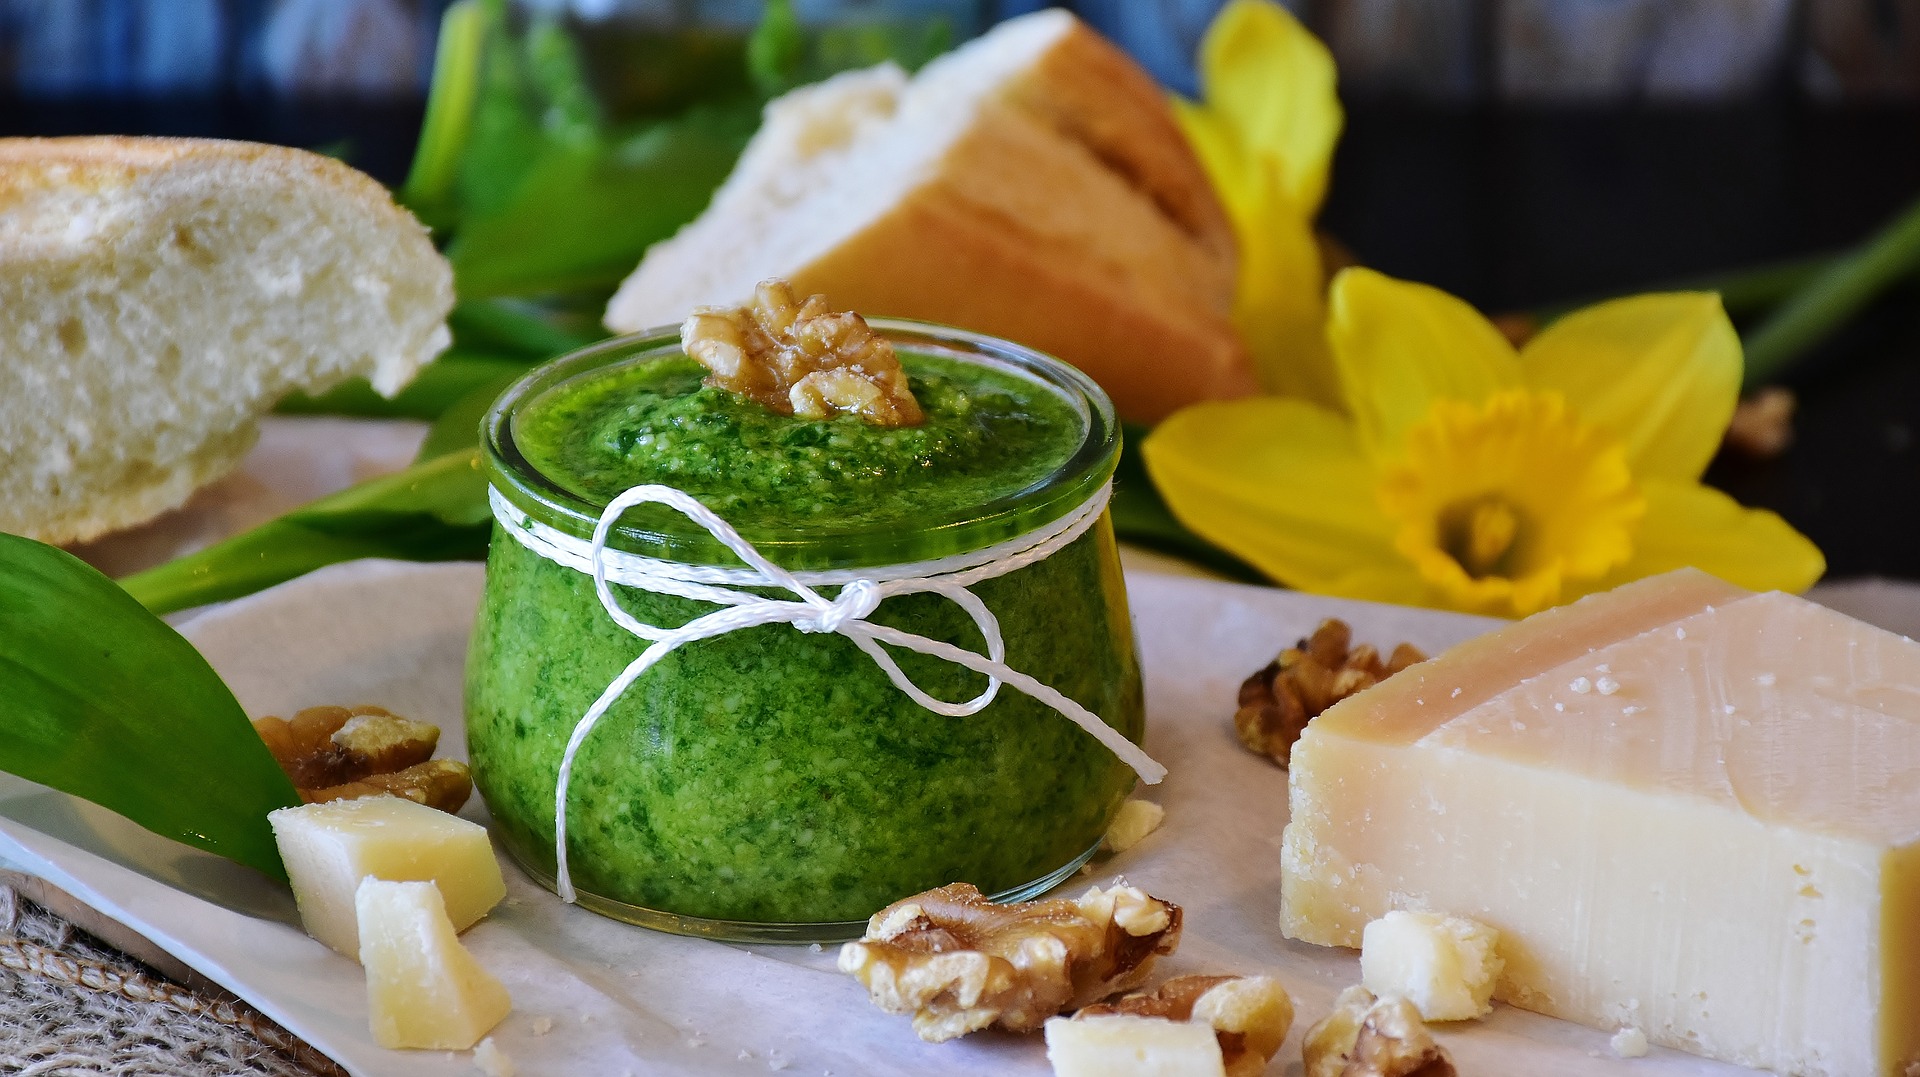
pixel 158 295
pixel 1032 184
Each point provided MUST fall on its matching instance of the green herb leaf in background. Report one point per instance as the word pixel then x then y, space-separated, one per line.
pixel 435 510
pixel 105 701
pixel 776 49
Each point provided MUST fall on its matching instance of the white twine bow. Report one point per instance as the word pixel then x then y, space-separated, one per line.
pixel 844 614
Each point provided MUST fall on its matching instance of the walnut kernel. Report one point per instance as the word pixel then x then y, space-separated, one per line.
pixel 1366 1036
pixel 1276 703
pixel 959 963
pixel 1250 1015
pixel 801 358
pixel 340 753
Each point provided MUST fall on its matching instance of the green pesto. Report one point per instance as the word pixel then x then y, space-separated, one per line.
pixel 988 434
pixel 774 776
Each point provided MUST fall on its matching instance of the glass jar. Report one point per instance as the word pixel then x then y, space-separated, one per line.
pixel 775 784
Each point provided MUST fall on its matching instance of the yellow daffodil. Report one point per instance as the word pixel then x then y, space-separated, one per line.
pixel 1466 475
pixel 1265 132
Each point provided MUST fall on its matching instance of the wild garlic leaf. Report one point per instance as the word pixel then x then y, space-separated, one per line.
pixel 105 701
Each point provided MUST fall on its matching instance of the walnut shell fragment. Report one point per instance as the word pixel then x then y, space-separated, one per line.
pixel 801 358
pixel 340 753
pixel 959 963
pixel 1369 1037
pixel 1276 703
pixel 1250 1015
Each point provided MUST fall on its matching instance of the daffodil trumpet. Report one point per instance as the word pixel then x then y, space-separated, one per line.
pixel 1460 473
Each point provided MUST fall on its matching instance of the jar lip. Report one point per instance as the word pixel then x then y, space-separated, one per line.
pixel 1077 478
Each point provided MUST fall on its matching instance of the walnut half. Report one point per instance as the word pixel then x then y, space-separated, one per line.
pixel 959 963
pixel 1277 702
pixel 341 753
pixel 1366 1036
pixel 801 358
pixel 1249 1015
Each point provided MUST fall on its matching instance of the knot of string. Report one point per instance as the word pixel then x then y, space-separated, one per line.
pixel 736 593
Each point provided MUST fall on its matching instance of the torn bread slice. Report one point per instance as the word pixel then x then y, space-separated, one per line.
pixel 1032 184
pixel 158 295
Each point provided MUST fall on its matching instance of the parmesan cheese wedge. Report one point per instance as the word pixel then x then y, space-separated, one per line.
pixel 328 848
pixel 423 988
pixel 1684 807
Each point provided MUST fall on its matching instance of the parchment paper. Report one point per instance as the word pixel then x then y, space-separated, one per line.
pixel 623 1000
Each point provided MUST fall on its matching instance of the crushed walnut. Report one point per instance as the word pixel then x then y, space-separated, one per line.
pixel 343 753
pixel 1277 702
pixel 1366 1036
pixel 1250 1015
pixel 1762 424
pixel 801 358
pixel 959 963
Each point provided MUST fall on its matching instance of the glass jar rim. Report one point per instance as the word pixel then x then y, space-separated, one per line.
pixel 812 547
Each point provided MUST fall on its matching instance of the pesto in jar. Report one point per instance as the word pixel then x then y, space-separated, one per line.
pixel 772 776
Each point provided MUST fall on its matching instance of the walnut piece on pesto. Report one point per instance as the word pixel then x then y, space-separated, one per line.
pixel 800 358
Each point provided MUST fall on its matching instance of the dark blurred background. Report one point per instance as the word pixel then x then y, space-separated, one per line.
pixel 1519 153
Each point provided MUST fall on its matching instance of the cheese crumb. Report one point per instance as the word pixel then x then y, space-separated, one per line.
pixel 542 1025
pixel 1580 686
pixel 1136 820
pixel 1765 680
pixel 489 1059
pixel 1629 1042
pixel 1445 965
pixel 1117 1044
pixel 1606 686
pixel 1681 633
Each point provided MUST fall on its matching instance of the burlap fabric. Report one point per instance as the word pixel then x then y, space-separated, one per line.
pixel 73 1006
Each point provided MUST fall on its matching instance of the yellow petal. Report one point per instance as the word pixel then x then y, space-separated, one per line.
pixel 1281 484
pixel 1280 307
pixel 1661 372
pixel 1272 82
pixel 1217 145
pixel 1399 346
pixel 1689 525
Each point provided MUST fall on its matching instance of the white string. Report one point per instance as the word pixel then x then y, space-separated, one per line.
pixel 861 592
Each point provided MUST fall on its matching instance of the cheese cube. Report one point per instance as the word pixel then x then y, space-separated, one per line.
pixel 423 988
pixel 1444 965
pixel 1135 820
pixel 328 848
pixel 1122 1045
pixel 1684 807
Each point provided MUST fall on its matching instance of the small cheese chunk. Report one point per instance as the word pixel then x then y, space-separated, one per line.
pixel 1445 965
pixel 423 988
pixel 1722 850
pixel 1122 1045
pixel 328 848
pixel 1137 819
pixel 1629 1042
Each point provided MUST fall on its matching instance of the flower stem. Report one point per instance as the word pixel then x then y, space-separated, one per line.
pixel 1821 305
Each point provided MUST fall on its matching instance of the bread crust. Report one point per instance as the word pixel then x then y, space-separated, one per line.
pixel 96 163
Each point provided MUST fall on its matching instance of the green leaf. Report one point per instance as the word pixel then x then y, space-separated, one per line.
pixel 108 703
pixel 450 106
pixel 459 426
pixel 1833 296
pixel 435 510
pixel 582 218
pixel 777 49
pixel 437 387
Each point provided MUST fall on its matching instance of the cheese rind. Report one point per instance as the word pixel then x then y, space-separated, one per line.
pixel 423 988
pixel 328 848
pixel 1715 841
